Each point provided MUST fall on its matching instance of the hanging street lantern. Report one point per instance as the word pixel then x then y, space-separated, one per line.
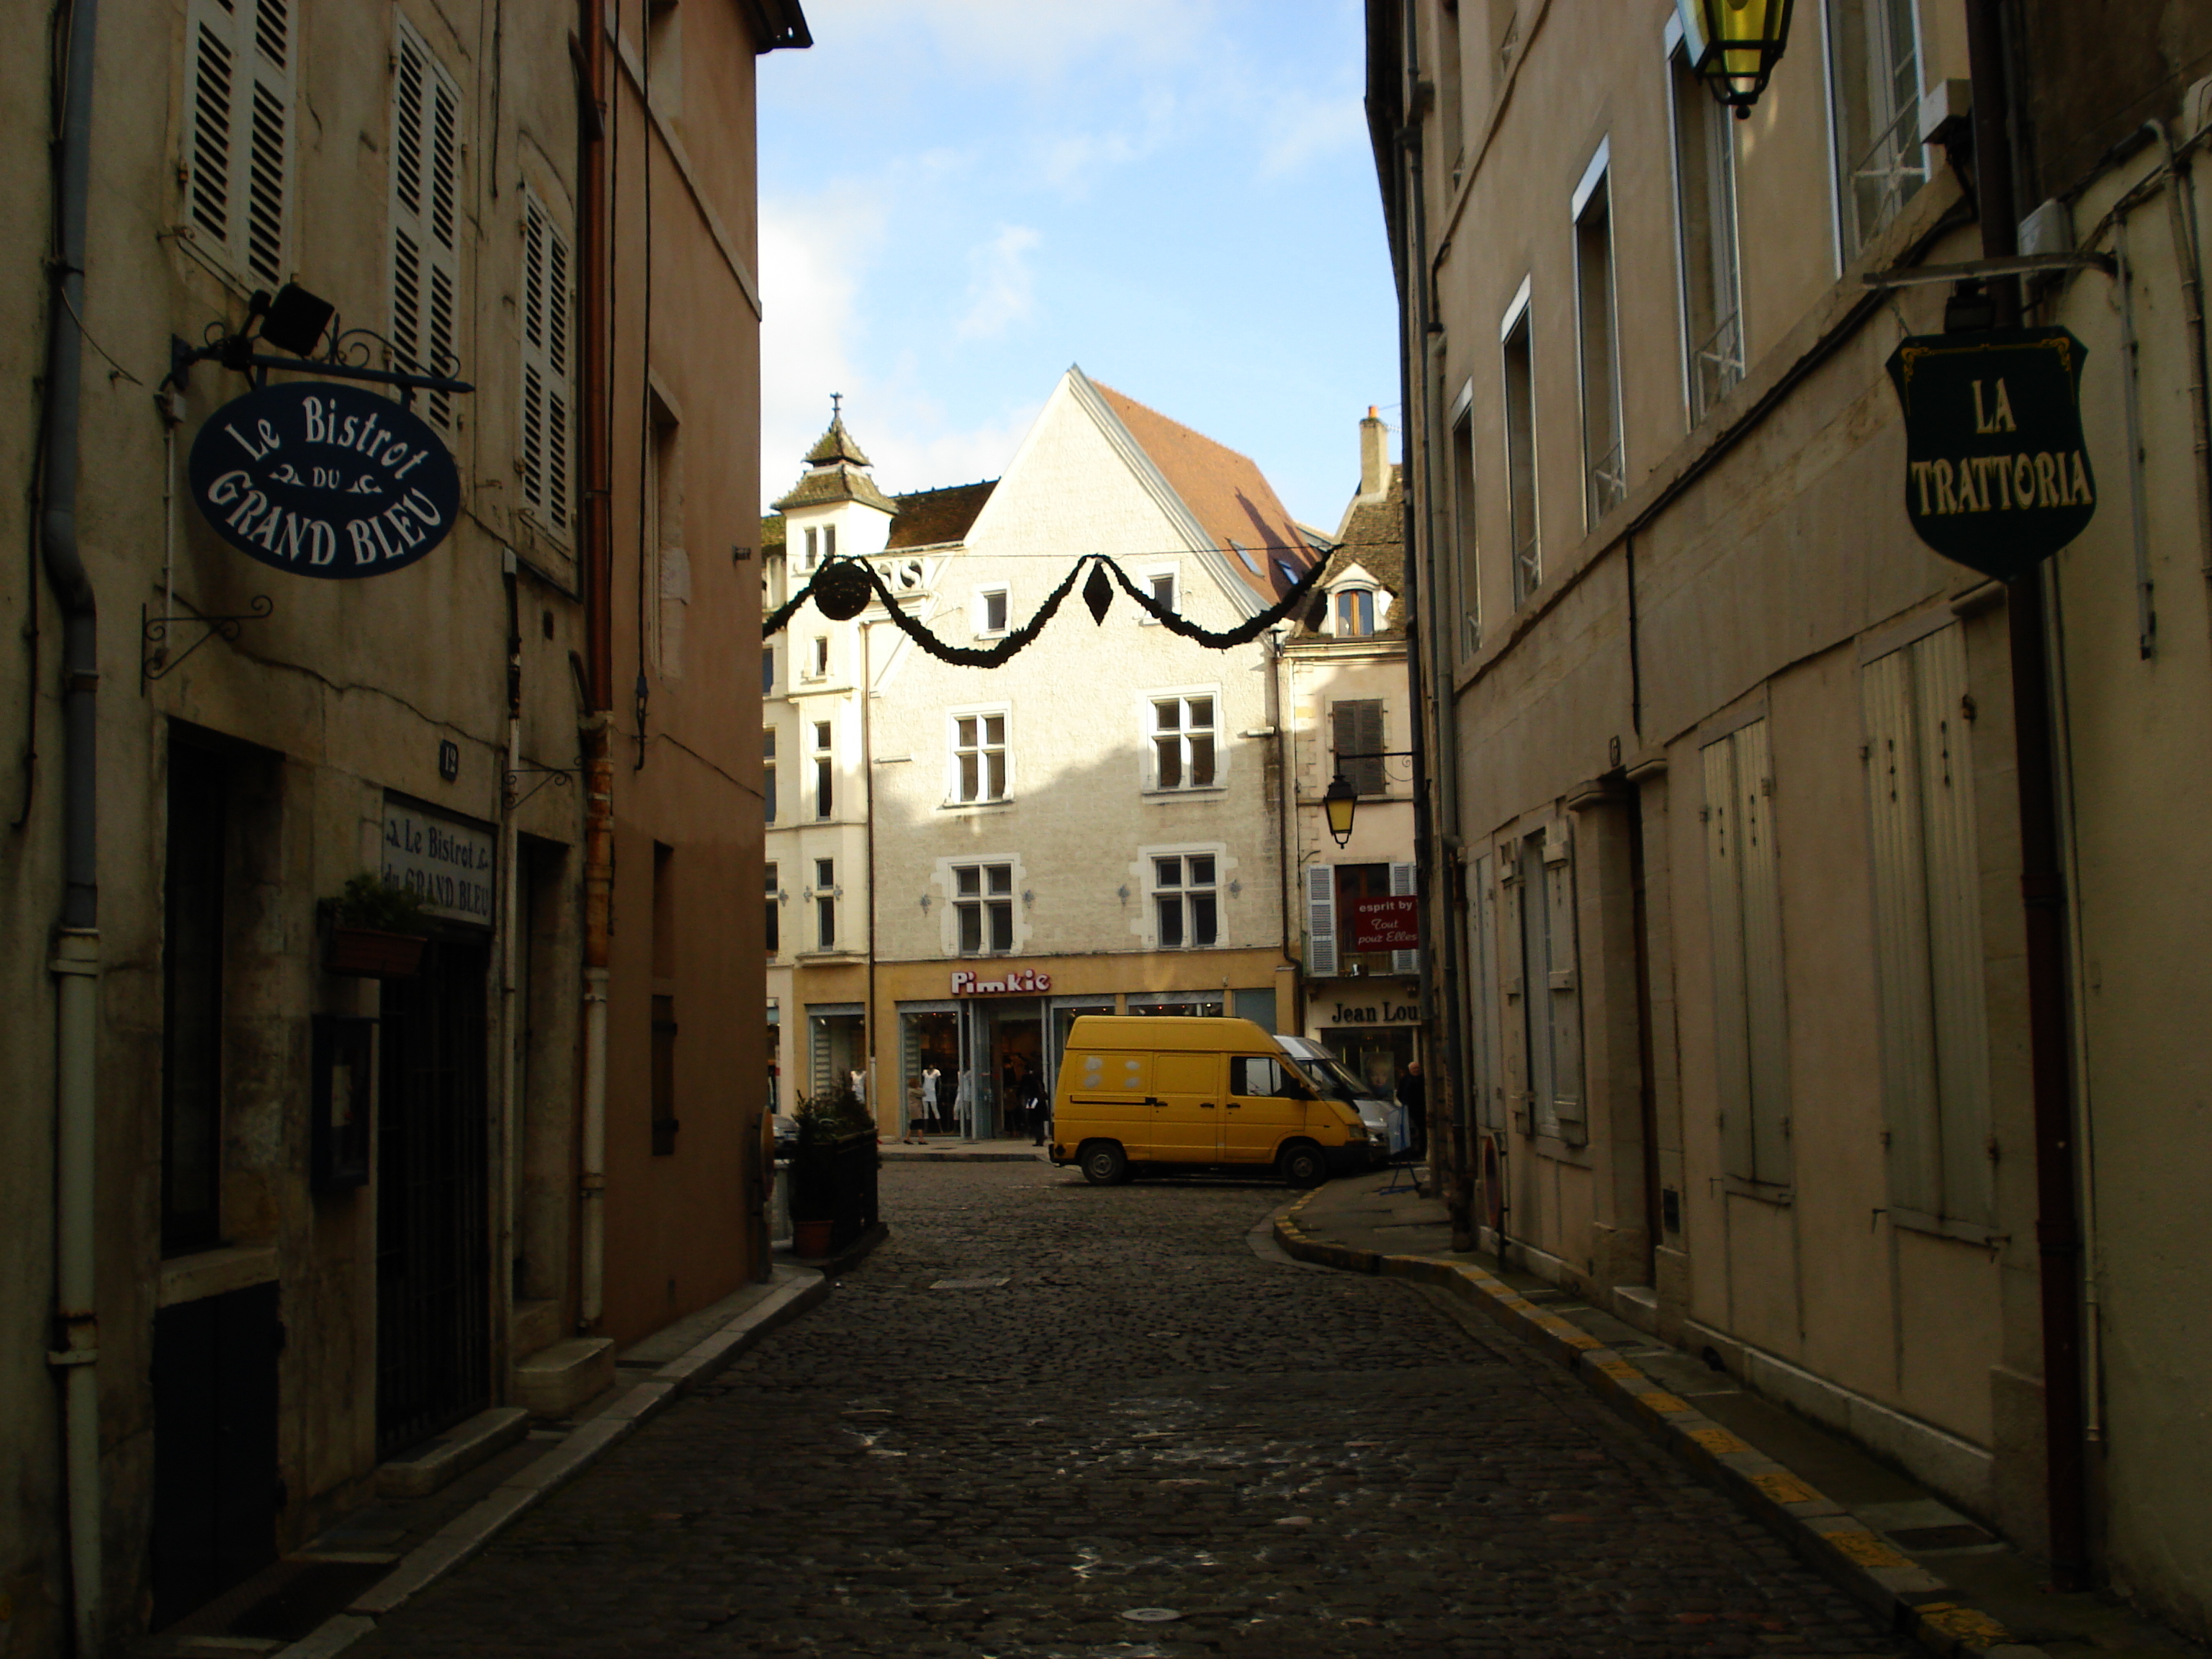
pixel 1339 803
pixel 1732 46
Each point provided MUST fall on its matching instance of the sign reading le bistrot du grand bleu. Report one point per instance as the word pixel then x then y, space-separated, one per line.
pixel 1997 477
pixel 324 480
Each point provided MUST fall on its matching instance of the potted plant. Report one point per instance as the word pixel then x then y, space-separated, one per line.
pixel 825 1122
pixel 376 930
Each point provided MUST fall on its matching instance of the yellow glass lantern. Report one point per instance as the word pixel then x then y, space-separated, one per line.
pixel 1732 46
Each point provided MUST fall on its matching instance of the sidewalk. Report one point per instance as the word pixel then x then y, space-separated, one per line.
pixel 1941 1579
pixel 951 1149
pixel 321 1598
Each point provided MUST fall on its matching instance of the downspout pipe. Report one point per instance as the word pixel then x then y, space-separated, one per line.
pixel 597 525
pixel 75 962
pixel 2057 1227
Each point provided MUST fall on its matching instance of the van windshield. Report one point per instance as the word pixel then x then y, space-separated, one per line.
pixel 1332 1078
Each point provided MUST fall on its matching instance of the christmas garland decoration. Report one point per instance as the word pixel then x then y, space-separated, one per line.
pixel 1096 593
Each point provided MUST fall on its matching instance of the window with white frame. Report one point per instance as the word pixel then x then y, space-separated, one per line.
pixel 1704 233
pixel 1873 87
pixel 1605 465
pixel 1517 359
pixel 979 756
pixel 1466 563
pixel 1161 587
pixel 990 612
pixel 238 136
pixel 1185 901
pixel 825 771
pixel 1182 737
pixel 546 435
pixel 768 771
pixel 426 164
pixel 1355 612
pixel 813 547
pixel 825 904
pixel 984 909
pixel 817 657
pixel 774 915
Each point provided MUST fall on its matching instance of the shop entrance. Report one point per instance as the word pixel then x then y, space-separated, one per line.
pixel 1001 1042
pixel 1377 1056
pixel 836 1041
pixel 929 1068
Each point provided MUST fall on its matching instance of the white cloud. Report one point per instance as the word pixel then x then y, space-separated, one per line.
pixel 1037 39
pixel 1003 290
pixel 1302 126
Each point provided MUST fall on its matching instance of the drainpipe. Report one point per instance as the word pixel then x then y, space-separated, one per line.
pixel 510 977
pixel 595 436
pixel 75 964
pixel 1432 846
pixel 2042 890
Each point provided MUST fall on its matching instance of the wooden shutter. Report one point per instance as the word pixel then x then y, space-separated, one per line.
pixel 1528 1028
pixel 1724 906
pixel 1766 1026
pixel 426 158
pixel 1358 730
pixel 237 146
pixel 1485 1036
pixel 1321 920
pixel 1927 934
pixel 545 398
pixel 1402 883
pixel 1568 1110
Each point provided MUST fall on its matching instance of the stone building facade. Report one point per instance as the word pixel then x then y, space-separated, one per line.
pixel 271 1222
pixel 1732 963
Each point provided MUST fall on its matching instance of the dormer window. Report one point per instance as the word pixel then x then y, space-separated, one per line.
pixel 1355 612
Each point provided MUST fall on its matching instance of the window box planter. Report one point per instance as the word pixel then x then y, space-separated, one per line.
pixel 372 953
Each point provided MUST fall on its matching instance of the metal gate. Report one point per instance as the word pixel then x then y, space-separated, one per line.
pixel 433 1287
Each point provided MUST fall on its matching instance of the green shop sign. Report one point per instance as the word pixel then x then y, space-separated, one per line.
pixel 1998 478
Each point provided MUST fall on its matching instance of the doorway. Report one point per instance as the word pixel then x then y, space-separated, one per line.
pixel 432 1301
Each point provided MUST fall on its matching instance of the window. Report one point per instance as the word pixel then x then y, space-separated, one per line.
pixel 824 771
pixel 1334 894
pixel 774 928
pixel 1184 902
pixel 990 611
pixel 1704 230
pixel 1604 467
pixel 1250 1075
pixel 1549 1026
pixel 1355 612
pixel 768 772
pixel 813 547
pixel 817 655
pixel 426 163
pixel 1355 730
pixel 828 541
pixel 983 907
pixel 1928 932
pixel 1160 588
pixel 825 904
pixel 1520 371
pixel 1874 65
pixel 1750 1056
pixel 663 56
pixel 1182 743
pixel 668 578
pixel 1466 544
pixel 239 140
pixel 979 757
pixel 664 1076
pixel 768 670
pixel 545 398
pixel 192 1001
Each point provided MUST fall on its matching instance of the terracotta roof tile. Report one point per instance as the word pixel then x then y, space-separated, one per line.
pixel 1226 492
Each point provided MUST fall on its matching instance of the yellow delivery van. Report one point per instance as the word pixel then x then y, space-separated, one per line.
pixel 1147 1094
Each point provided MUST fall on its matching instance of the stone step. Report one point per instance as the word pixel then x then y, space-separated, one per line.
pixel 553 1381
pixel 438 1461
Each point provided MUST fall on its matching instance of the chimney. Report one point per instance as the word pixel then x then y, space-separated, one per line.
pixel 1374 455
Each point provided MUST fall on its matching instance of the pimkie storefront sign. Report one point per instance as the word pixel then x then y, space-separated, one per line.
pixel 1026 983
pixel 324 479
pixel 1997 477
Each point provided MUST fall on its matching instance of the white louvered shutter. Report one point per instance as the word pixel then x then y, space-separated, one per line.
pixel 1321 920
pixel 1402 883
pixel 238 141
pixel 545 395
pixel 426 164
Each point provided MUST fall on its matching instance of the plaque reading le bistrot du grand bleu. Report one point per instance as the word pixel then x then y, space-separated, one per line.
pixel 324 479
pixel 1998 476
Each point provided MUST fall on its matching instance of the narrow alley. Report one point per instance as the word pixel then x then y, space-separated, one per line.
pixel 1045 1416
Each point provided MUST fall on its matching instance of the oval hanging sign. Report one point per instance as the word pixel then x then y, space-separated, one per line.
pixel 323 479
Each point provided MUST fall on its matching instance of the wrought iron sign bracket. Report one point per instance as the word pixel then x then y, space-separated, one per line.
pixel 553 774
pixel 155 662
pixel 300 322
pixel 1975 270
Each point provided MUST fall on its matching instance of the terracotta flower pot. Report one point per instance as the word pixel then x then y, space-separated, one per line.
pixel 810 1239
pixel 372 953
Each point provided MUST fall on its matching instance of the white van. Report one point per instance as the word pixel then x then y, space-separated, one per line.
pixel 1336 1079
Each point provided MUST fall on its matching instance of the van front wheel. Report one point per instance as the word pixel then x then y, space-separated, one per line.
pixel 1302 1165
pixel 1104 1163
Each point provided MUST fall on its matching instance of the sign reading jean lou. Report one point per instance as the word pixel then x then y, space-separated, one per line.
pixel 1998 478
pixel 324 479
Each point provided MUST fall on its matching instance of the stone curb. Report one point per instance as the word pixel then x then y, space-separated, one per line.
pixel 1917 1605
pixel 1029 1155
pixel 582 1446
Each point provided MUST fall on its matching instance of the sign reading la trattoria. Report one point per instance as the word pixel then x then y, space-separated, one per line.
pixel 324 479
pixel 1997 477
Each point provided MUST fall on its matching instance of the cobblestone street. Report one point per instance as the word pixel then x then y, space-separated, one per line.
pixel 1043 1407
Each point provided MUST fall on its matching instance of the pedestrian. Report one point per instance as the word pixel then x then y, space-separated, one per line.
pixel 1413 1095
pixel 929 1111
pixel 917 1125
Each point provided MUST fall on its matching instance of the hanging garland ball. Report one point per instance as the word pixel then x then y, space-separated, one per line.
pixel 841 590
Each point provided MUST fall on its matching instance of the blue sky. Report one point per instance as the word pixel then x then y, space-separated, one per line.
pixel 960 197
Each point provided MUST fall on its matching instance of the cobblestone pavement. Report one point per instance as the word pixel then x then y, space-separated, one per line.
pixel 1042 1407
